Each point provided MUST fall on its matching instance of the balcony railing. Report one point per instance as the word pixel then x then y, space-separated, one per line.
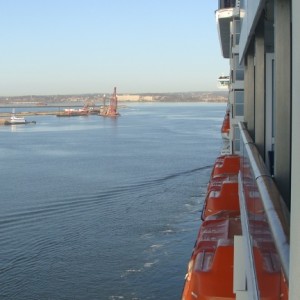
pixel 265 229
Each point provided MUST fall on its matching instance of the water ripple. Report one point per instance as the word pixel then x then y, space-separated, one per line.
pixel 87 202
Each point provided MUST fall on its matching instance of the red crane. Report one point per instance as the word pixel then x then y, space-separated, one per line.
pixel 111 110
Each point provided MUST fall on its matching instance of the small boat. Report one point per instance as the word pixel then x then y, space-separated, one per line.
pixel 14 120
pixel 17 120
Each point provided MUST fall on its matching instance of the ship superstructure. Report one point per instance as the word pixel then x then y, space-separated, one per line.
pixel 251 214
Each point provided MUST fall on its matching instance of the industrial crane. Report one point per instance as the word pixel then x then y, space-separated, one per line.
pixel 111 110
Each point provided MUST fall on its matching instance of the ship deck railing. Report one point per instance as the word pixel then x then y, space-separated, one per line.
pixel 254 176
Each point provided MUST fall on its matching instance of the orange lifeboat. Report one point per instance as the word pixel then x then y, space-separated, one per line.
pixel 210 270
pixel 253 201
pixel 216 182
pixel 284 288
pixel 267 262
pixel 226 126
pixel 222 194
pixel 226 164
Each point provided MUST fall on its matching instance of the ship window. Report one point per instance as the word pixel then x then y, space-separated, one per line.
pixel 226 3
pixel 239 75
pixel 239 69
pixel 237 39
pixel 237 138
pixel 239 103
pixel 237 31
pixel 203 261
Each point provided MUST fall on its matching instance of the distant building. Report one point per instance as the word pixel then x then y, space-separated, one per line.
pixel 129 97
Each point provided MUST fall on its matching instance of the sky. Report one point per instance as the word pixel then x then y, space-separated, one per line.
pixel 61 47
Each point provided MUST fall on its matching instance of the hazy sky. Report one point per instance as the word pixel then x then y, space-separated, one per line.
pixel 90 46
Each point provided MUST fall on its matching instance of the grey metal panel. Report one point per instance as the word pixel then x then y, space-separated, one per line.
pixel 282 164
pixel 259 118
pixel 249 16
pixel 294 286
pixel 249 93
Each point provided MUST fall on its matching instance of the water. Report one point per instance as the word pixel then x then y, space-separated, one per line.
pixel 100 208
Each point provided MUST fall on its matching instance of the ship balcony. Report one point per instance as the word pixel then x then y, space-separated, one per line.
pixel 223 82
pixel 224 17
pixel 265 228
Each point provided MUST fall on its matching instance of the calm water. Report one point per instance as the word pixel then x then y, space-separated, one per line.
pixel 95 208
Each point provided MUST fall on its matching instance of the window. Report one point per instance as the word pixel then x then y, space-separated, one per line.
pixel 226 3
pixel 238 69
pixel 238 103
pixel 236 140
pixel 237 31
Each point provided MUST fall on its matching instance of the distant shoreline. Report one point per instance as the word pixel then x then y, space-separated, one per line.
pixel 45 112
pixel 80 104
pixel 99 99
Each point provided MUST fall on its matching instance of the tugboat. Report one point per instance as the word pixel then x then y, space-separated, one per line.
pixel 14 120
pixel 17 120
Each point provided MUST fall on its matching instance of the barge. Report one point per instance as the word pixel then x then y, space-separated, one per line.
pixel 71 112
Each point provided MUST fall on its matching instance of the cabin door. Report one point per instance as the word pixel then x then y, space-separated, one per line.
pixel 270 112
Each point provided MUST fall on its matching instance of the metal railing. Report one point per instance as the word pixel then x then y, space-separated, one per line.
pixel 270 198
